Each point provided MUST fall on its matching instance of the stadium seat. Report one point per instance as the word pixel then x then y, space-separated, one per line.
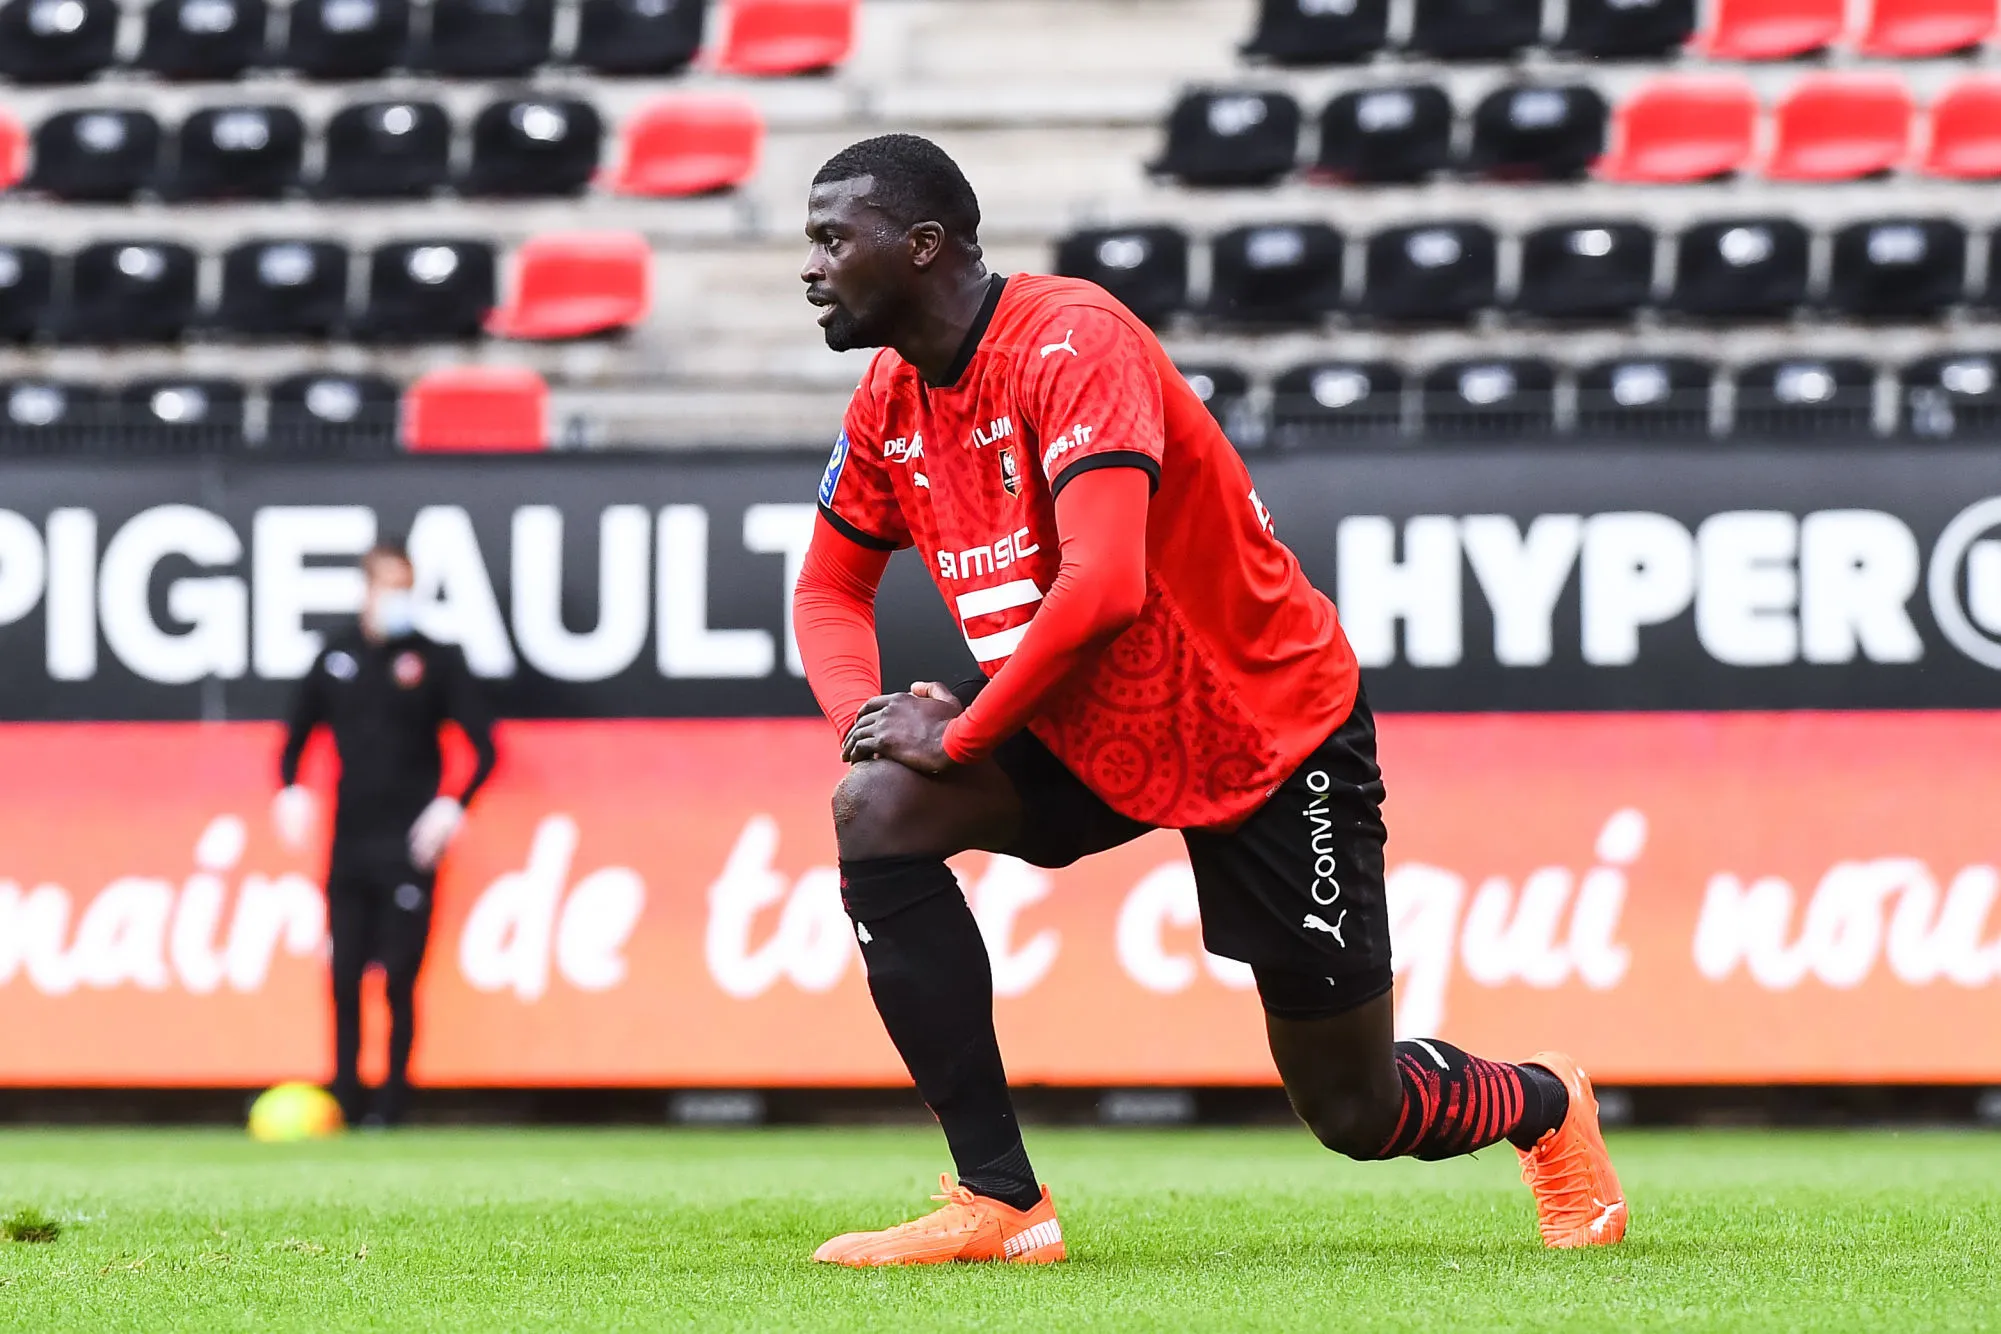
pixel 1909 267
pixel 428 290
pixel 1278 273
pixel 1586 270
pixel 245 152
pixel 56 41
pixel 1319 32
pixel 689 145
pixel 387 150
pixel 1956 396
pixel 1379 135
pixel 202 39
pixel 534 146
pixel 1336 403
pixel 653 37
pixel 101 155
pixel 13 151
pixel 487 39
pixel 477 409
pixel 575 284
pixel 1430 271
pixel 1240 137
pixel 130 292
pixel 1682 128
pixel 181 415
pixel 49 417
pixel 1769 29
pixel 289 288
pixel 346 39
pixel 1627 29
pixel 1537 133
pixel 27 287
pixel 1989 297
pixel 1966 131
pixel 1144 267
pixel 1805 398
pixel 1908 29
pixel 1645 398
pixel 1475 29
pixel 1502 398
pixel 1742 267
pixel 320 413
pixel 769 37
pixel 1840 126
pixel 1225 391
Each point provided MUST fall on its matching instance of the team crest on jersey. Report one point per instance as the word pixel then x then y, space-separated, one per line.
pixel 408 669
pixel 832 477
pixel 1010 472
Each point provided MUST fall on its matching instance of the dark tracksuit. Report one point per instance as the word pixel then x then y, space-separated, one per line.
pixel 384 703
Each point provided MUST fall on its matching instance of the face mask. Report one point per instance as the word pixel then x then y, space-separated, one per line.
pixel 395 614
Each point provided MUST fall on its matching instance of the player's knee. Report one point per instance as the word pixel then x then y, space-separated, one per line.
pixel 878 808
pixel 1351 1123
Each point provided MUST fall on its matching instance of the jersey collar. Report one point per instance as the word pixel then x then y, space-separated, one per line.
pixel 969 348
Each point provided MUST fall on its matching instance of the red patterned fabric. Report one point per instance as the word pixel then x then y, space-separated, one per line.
pixel 1453 1103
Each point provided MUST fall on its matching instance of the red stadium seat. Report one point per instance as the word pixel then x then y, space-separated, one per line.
pixel 13 151
pixel 690 146
pixel 787 36
pixel 1769 29
pixel 1837 127
pixel 1966 131
pixel 1904 28
pixel 1682 128
pixel 574 284
pixel 477 409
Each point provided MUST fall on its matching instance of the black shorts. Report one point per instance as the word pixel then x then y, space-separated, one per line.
pixel 378 911
pixel 1296 890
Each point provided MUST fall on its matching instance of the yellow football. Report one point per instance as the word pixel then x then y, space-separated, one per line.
pixel 294 1111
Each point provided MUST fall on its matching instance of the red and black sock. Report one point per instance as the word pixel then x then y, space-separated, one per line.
pixel 1454 1103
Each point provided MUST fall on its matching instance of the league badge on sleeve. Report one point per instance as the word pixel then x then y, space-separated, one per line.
pixel 835 464
pixel 1010 472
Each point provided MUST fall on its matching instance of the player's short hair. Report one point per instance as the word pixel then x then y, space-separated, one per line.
pixel 915 181
pixel 389 548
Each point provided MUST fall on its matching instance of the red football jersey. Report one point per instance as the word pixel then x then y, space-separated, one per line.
pixel 1237 667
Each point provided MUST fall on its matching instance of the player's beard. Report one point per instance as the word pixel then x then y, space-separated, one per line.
pixel 845 331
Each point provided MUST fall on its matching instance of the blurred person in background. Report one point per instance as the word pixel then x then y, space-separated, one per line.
pixel 384 691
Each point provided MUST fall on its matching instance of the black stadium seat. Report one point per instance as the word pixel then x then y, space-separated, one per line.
pixel 56 41
pixel 181 415
pixel 1626 29
pixel 1144 267
pixel 1224 390
pixel 130 292
pixel 387 150
pixel 1805 398
pixel 1586 270
pixel 1537 133
pixel 1956 396
pixel 284 288
pixel 1910 267
pixel 485 39
pixel 428 290
pixel 27 287
pixel 1430 271
pixel 239 152
pixel 1990 297
pixel 102 155
pixel 49 416
pixel 1645 398
pixel 203 39
pixel 1319 32
pixel 346 39
pixel 639 36
pixel 534 146
pixel 1336 402
pixel 1502 398
pixel 1241 137
pixel 1399 133
pixel 1282 273
pixel 320 413
pixel 1741 267
pixel 1475 29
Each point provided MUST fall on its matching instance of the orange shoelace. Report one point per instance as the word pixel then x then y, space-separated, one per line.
pixel 958 1203
pixel 1568 1177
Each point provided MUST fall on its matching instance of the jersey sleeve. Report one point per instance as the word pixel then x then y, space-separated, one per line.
pixel 856 495
pixel 1091 384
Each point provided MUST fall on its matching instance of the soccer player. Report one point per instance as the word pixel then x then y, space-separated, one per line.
pixel 384 690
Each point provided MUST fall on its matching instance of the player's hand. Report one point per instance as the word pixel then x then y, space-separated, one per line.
pixel 433 831
pixel 294 812
pixel 908 728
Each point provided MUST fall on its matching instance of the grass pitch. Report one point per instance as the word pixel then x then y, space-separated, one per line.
pixel 1205 1229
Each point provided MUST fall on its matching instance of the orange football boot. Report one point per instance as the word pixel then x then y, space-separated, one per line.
pixel 969 1227
pixel 1577 1195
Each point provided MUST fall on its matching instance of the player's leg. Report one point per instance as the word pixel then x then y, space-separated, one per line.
pixel 348 920
pixel 406 933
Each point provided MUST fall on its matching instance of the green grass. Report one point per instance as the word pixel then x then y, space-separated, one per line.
pixel 1223 1230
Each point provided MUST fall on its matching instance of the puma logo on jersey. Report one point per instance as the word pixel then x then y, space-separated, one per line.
pixel 1315 922
pixel 1000 428
pixel 1063 346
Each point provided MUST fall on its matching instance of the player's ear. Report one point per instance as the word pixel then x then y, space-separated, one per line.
pixel 927 242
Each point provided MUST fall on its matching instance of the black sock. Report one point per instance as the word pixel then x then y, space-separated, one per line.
pixel 1545 1103
pixel 1456 1103
pixel 933 986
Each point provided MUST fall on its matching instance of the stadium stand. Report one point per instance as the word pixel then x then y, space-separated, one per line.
pixel 638 37
pixel 1682 128
pixel 57 41
pixel 1145 267
pixel 202 39
pixel 345 39
pixel 1382 135
pixel 477 408
pixel 1306 33
pixel 575 284
pixel 786 36
pixel 1840 126
pixel 1276 273
pixel 1645 398
pixel 1770 29
pixel 689 145
pixel 1336 403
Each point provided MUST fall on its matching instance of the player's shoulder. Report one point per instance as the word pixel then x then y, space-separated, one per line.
pixel 1037 300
